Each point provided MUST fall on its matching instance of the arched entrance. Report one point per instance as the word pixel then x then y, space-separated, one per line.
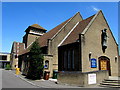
pixel 104 64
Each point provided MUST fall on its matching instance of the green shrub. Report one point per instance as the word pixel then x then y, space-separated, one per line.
pixel 8 67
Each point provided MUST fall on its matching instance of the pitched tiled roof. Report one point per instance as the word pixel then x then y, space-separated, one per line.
pixel 37 26
pixel 74 35
pixel 70 39
pixel 23 51
pixel 21 48
pixel 43 39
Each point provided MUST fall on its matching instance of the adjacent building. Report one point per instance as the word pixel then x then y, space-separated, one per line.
pixel 16 48
pixel 4 59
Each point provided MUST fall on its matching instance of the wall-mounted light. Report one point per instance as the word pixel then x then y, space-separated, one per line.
pixel 90 53
pixel 115 58
pixel 27 55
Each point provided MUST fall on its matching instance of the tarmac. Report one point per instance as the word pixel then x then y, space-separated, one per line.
pixel 51 83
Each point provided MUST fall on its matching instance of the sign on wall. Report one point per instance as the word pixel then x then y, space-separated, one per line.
pixel 93 63
pixel 45 66
pixel 92 78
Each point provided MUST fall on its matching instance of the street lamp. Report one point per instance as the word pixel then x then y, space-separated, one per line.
pixel 90 55
pixel 115 58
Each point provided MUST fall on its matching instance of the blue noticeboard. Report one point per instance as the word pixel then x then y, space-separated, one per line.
pixel 45 66
pixel 93 63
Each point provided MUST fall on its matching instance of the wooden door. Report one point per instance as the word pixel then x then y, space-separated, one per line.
pixel 104 64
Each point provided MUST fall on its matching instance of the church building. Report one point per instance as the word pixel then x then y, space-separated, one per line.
pixel 76 45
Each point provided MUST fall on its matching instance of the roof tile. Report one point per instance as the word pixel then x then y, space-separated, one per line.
pixel 43 39
pixel 74 36
pixel 37 26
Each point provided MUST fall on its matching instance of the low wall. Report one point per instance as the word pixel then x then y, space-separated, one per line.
pixel 82 79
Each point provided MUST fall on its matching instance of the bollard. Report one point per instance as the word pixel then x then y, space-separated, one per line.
pixel 17 71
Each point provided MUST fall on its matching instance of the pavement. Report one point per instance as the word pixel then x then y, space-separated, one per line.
pixel 51 83
pixel 114 78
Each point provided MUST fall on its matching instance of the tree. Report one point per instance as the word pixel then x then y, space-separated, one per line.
pixel 35 60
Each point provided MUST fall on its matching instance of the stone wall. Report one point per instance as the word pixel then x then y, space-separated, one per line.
pixel 31 38
pixel 119 66
pixel 92 43
pixel 50 68
pixel 81 79
pixel 58 37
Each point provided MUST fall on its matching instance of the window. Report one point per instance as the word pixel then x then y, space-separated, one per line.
pixel 65 59
pixel 69 58
pixel 46 64
pixel 72 59
pixel 16 56
pixel 0 57
pixel 17 50
pixel 3 57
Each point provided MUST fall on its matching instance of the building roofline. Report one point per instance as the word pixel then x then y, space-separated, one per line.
pixel 65 25
pixel 90 23
pixel 4 53
pixel 85 30
pixel 68 34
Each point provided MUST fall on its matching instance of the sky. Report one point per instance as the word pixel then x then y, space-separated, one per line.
pixel 17 16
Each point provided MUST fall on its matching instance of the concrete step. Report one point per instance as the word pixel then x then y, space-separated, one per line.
pixel 108 86
pixel 111 80
pixel 111 83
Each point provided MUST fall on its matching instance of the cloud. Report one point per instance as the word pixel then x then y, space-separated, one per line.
pixel 95 8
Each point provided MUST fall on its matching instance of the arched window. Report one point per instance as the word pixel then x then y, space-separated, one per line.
pixel 46 64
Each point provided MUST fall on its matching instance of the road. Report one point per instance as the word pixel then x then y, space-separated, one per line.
pixel 10 80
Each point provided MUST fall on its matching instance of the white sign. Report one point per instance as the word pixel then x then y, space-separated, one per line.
pixel 92 78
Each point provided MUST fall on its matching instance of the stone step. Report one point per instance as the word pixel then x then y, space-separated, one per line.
pixel 108 86
pixel 111 84
pixel 110 81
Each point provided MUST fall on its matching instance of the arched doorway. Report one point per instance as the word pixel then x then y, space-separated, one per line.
pixel 104 64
